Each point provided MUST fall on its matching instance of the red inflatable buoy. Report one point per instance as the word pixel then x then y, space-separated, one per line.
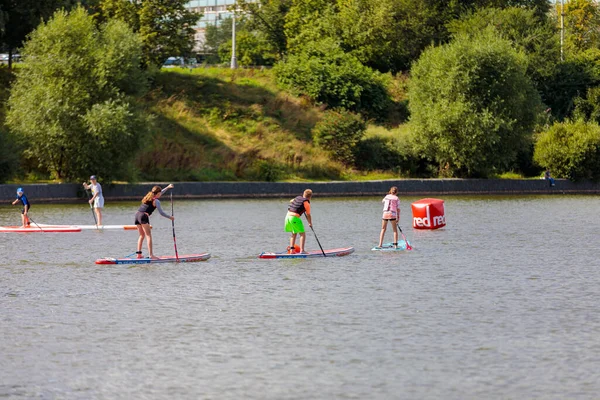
pixel 428 214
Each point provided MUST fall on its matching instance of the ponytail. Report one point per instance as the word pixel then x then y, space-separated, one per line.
pixel 149 197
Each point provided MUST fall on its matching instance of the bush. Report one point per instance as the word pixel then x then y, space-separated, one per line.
pixel 385 153
pixel 571 150
pixel 338 133
pixel 328 75
pixel 72 102
pixel 472 106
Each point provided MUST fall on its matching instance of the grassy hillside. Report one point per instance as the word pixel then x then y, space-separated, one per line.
pixel 221 124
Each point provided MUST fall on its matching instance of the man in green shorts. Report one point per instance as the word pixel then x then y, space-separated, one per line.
pixel 298 206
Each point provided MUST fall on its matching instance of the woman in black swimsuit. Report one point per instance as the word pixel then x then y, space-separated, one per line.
pixel 150 203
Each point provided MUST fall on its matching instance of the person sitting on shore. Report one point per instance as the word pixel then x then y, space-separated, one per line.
pixel 549 177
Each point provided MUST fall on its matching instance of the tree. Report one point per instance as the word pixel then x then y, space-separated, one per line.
pixel 472 106
pixel 582 21
pixel 571 150
pixel 166 27
pixel 536 37
pixel 328 75
pixel 19 17
pixel 268 17
pixel 71 101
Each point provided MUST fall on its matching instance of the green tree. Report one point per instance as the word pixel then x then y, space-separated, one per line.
pixel 473 108
pixel 582 21
pixel 251 49
pixel 327 74
pixel 571 150
pixel 166 27
pixel 339 133
pixel 71 101
pixel 268 17
pixel 19 17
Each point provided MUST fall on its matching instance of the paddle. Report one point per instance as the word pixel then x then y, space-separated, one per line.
pixel 408 246
pixel 92 208
pixel 173 225
pixel 322 251
pixel 35 223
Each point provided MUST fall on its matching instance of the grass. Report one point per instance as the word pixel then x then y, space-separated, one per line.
pixel 220 124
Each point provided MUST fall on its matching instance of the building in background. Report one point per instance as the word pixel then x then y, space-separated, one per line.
pixel 213 12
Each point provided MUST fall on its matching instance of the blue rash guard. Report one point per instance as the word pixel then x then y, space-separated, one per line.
pixel 23 199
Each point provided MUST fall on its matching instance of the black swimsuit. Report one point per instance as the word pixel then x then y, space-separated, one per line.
pixel 142 216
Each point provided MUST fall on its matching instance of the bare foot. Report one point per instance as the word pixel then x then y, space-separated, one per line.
pixel 153 257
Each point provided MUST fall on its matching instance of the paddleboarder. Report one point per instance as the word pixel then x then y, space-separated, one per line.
pixel 150 203
pixel 25 222
pixel 97 199
pixel 293 224
pixel 391 213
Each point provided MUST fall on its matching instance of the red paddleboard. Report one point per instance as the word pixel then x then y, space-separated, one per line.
pixel 46 228
pixel 164 259
pixel 344 251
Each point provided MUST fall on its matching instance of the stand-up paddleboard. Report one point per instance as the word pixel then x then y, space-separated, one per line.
pixel 164 259
pixel 314 253
pixel 390 247
pixel 41 228
pixel 99 227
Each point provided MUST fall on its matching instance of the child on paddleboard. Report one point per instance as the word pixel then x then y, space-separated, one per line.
pixel 150 203
pixel 298 206
pixel 26 206
pixel 97 200
pixel 391 213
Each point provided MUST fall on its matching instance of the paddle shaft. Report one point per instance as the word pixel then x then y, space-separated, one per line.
pixel 40 228
pixel 322 251
pixel 92 208
pixel 173 226
pixel 408 246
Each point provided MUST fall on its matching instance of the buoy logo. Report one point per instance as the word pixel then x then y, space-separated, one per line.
pixel 428 221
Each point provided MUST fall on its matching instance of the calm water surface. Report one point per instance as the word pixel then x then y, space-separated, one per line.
pixel 501 304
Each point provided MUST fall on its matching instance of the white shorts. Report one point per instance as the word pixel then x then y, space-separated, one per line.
pixel 99 202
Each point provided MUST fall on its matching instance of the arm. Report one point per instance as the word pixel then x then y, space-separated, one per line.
pixel 160 210
pixel 15 202
pixel 167 188
pixel 86 186
pixel 308 216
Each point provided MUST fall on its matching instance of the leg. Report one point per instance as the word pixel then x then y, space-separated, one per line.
pixel 302 242
pixel 395 230
pixel 99 215
pixel 140 240
pixel 382 234
pixel 293 241
pixel 148 233
pixel 23 220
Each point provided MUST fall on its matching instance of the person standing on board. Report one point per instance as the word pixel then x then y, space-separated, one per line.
pixel 391 213
pixel 150 203
pixel 97 200
pixel 26 206
pixel 298 206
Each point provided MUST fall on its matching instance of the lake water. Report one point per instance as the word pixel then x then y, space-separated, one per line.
pixel 500 304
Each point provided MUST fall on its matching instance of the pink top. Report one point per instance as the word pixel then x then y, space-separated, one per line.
pixel 390 203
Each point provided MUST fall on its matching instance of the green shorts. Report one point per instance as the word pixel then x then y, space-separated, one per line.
pixel 293 224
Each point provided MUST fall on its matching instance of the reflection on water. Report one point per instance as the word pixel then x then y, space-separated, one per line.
pixel 502 303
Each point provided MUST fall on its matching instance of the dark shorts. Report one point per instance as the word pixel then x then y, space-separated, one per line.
pixel 23 210
pixel 141 218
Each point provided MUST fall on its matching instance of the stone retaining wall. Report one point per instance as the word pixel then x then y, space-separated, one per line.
pixel 66 193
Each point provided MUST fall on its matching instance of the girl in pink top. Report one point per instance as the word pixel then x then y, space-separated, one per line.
pixel 391 212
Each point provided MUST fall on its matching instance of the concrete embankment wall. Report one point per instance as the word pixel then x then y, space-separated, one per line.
pixel 66 193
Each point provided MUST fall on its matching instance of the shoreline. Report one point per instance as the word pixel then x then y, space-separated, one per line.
pixel 74 193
